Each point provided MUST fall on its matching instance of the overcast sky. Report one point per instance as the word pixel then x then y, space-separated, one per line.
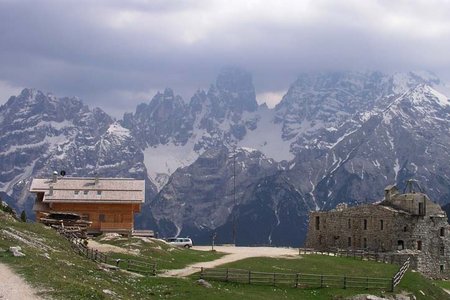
pixel 115 54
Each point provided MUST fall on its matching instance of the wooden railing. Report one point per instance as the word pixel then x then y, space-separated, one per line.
pixel 296 280
pixel 97 256
pixel 357 254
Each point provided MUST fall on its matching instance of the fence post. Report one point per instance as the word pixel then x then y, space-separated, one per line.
pixel 367 283
pixel 296 280
pixel 321 281
pixel 249 277
pixel 154 269
pixel 393 284
pixel 345 282
pixel 273 281
pixel 226 275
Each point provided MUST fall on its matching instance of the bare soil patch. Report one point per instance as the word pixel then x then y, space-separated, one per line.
pixel 12 286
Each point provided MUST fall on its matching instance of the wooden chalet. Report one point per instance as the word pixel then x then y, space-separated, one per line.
pixel 109 203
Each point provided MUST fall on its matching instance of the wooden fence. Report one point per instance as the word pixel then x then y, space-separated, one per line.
pixel 356 254
pixel 97 256
pixel 297 280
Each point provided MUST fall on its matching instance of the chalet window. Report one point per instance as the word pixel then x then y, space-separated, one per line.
pixel 381 224
pixel 349 241
pixel 99 192
pixel 419 245
pixel 102 217
pixel 365 224
pixel 442 231
pixel 85 192
pixel 349 223
pixel 317 223
pixel 76 192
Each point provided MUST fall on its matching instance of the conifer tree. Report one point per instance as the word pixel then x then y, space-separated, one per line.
pixel 23 216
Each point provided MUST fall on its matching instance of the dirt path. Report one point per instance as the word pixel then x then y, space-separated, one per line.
pixel 13 287
pixel 233 254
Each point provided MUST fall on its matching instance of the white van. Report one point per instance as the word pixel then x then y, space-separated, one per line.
pixel 180 242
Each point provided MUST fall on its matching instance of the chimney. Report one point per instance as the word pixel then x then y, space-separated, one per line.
pixel 55 176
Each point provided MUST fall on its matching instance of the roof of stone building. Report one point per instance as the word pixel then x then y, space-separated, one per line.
pixel 90 190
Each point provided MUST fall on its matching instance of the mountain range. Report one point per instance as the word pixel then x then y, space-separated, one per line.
pixel 222 163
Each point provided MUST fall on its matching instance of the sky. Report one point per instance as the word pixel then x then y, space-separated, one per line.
pixel 115 54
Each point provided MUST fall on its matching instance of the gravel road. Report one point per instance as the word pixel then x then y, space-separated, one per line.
pixel 13 287
pixel 233 254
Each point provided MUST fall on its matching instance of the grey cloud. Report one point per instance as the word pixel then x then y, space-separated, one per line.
pixel 78 48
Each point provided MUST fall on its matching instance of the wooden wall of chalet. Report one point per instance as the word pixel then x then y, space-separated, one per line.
pixel 104 217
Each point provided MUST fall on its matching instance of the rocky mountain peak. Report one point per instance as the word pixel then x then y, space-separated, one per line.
pixel 235 90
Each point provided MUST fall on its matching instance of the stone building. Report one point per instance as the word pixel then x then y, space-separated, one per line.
pixel 402 225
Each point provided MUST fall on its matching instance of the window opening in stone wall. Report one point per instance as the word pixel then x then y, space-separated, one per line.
pixel 442 250
pixel 365 243
pixel 381 224
pixel 349 242
pixel 76 192
pixel 400 245
pixel 99 192
pixel 419 245
pixel 85 192
pixel 442 231
pixel 336 238
pixel 405 228
pixel 317 223
pixel 421 210
pixel 365 224
pixel 441 268
pixel 349 223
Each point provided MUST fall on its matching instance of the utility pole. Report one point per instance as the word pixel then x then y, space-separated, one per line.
pixel 234 195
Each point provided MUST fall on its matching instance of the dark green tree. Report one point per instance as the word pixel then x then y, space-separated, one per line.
pixel 23 216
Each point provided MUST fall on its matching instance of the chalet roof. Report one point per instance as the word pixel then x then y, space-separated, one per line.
pixel 90 190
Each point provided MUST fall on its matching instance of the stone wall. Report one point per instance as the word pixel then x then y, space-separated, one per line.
pixel 379 228
pixel 367 227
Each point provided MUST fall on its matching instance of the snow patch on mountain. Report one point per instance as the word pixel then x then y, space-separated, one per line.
pixel 163 160
pixel 117 130
pixel 267 138
pixel 442 99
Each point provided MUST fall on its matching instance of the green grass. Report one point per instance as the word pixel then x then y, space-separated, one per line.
pixel 165 256
pixel 412 283
pixel 318 264
pixel 60 273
